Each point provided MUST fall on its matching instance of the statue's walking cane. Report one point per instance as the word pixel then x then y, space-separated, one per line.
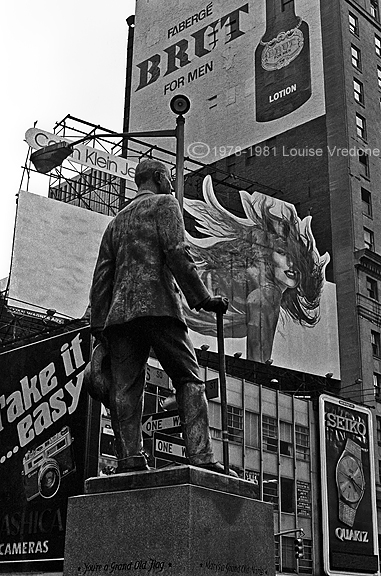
pixel 222 375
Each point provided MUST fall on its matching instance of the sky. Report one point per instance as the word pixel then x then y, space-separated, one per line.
pixel 57 58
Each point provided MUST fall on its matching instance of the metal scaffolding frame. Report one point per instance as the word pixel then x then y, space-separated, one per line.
pixel 106 193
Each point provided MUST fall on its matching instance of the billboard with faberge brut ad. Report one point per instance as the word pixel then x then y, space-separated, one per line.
pixel 251 70
pixel 42 454
pixel 350 536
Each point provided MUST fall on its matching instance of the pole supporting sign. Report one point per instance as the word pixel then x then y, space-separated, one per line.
pixel 350 536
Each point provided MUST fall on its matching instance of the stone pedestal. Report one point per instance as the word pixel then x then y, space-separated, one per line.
pixel 179 521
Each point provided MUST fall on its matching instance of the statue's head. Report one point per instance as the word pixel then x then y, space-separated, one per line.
pixel 153 175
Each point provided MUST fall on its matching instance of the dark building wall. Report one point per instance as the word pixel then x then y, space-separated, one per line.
pixel 295 164
pixel 340 190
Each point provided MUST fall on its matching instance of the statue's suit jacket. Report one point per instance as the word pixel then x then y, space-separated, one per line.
pixel 143 258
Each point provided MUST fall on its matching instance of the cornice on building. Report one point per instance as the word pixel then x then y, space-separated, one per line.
pixel 368 261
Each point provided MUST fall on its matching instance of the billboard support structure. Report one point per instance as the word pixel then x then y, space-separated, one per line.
pixel 223 394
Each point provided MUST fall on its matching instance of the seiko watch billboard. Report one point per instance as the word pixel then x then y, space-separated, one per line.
pixel 350 544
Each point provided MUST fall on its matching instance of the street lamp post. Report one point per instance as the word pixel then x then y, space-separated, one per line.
pixel 52 156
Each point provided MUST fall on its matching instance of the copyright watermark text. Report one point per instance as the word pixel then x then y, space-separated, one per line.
pixel 200 150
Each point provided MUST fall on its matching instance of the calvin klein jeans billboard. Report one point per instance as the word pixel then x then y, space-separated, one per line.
pixel 42 454
pixel 350 544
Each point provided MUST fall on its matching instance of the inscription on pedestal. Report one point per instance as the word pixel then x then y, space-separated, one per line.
pixel 150 565
pixel 154 566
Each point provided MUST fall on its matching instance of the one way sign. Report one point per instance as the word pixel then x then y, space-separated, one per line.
pixel 160 421
pixel 169 448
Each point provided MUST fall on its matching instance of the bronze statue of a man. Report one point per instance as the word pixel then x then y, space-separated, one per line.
pixel 136 304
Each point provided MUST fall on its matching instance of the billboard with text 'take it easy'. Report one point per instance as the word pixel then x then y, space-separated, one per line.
pixel 251 70
pixel 43 433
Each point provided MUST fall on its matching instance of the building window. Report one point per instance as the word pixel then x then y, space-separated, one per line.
pixel 377 45
pixel 235 424
pixel 358 91
pixel 356 57
pixel 215 415
pixel 361 126
pixel 285 445
pixel 107 442
pixel 302 441
pixel 368 239
pixel 364 163
pixel 252 429
pixel 379 76
pixel 269 434
pixel 376 344
pixel 353 24
pixel 288 555
pixel 374 10
pixel 215 433
pixel 378 422
pixel 287 495
pixel 277 553
pixel 150 399
pixel 377 390
pixel 372 288
pixel 366 199
pixel 270 490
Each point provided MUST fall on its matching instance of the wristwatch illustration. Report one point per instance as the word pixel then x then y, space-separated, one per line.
pixel 350 482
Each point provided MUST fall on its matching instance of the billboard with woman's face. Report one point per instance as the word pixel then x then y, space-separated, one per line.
pixel 269 267
pixel 265 261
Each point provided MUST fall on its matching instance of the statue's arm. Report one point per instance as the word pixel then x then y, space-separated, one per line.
pixel 102 284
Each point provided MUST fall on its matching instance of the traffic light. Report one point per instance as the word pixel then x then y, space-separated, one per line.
pixel 298 546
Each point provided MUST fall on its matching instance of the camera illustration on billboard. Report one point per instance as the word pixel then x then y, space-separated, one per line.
pixel 46 465
pixel 267 264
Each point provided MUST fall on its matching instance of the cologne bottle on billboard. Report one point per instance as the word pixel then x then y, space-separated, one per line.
pixel 282 63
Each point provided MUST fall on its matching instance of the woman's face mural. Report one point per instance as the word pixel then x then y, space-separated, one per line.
pixel 284 271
